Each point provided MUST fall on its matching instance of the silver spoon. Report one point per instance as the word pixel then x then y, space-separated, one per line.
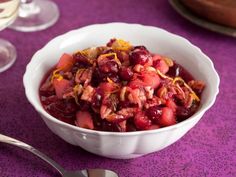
pixel 62 171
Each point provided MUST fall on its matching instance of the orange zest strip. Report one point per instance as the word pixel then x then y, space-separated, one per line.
pixel 120 44
pixel 192 93
pixel 109 80
pixel 112 54
pixel 81 51
pixel 163 75
pixel 56 75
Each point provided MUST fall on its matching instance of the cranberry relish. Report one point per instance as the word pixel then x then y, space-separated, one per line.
pixel 119 87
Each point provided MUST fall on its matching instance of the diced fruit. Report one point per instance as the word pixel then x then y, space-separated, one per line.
pixel 84 120
pixel 105 111
pixel 145 79
pixel 161 65
pixel 171 104
pixel 66 62
pixel 137 83
pixel 88 93
pixel 167 118
pixel 61 86
pixel 151 79
pixel 141 121
pixel 107 87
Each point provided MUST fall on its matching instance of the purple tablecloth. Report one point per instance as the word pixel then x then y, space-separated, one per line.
pixel 206 150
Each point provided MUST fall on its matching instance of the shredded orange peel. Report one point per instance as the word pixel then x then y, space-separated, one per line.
pixel 120 44
pixel 56 75
pixel 111 54
pixel 83 52
pixel 168 61
pixel 109 80
pixel 192 93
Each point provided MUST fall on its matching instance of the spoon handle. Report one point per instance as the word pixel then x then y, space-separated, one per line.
pixel 12 141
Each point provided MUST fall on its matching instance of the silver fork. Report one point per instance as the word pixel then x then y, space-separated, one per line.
pixel 62 171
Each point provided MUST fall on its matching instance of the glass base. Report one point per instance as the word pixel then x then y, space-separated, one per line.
pixel 7 55
pixel 35 16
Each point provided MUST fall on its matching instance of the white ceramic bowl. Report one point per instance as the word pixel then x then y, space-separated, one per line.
pixel 128 144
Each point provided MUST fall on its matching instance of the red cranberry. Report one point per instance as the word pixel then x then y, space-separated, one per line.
pixel 81 59
pixel 97 100
pixel 84 105
pixel 109 67
pixel 63 110
pixel 126 104
pixel 130 126
pixel 140 55
pixel 140 47
pixel 111 127
pixel 183 113
pixel 109 50
pixel 178 70
pixel 122 56
pixel 49 100
pixel 46 93
pixel 115 78
pixel 66 106
pixel 126 73
pixel 97 77
pixel 61 116
pixel 109 44
pixel 154 113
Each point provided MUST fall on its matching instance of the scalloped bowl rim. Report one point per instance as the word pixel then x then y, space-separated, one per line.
pixel 38 107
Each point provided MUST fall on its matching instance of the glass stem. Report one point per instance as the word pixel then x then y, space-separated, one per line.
pixel 28 8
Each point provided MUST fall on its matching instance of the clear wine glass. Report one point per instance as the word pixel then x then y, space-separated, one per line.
pixel 36 15
pixel 8 13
